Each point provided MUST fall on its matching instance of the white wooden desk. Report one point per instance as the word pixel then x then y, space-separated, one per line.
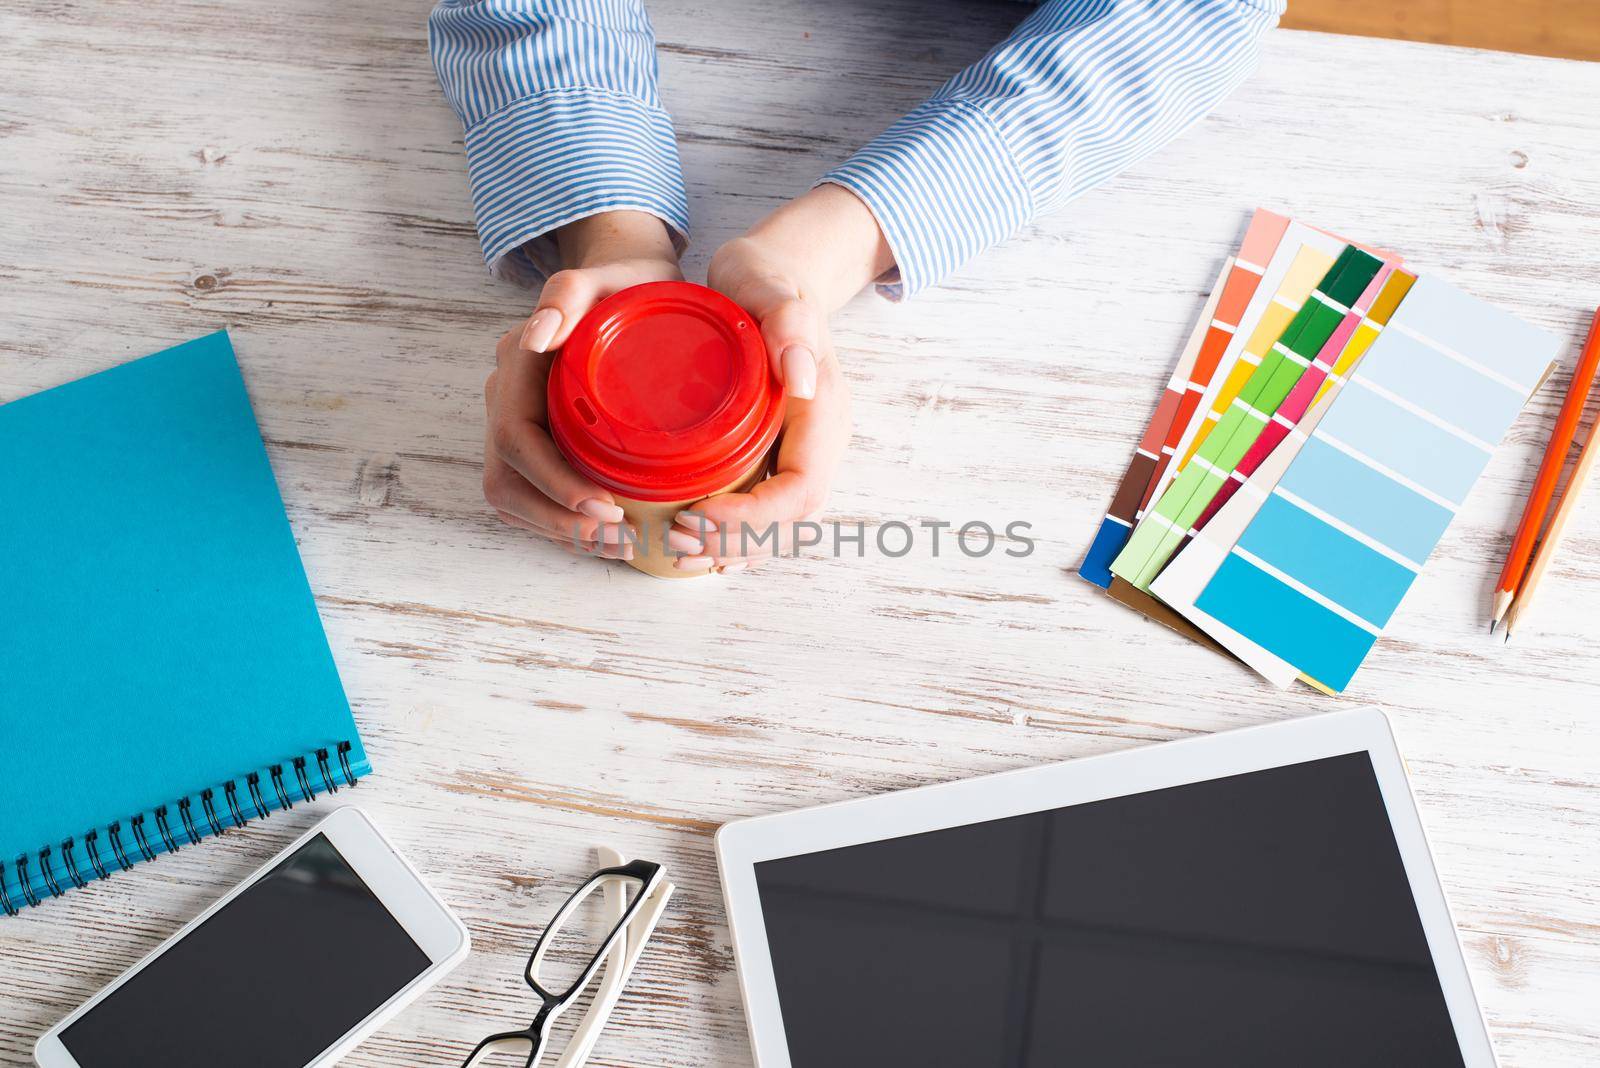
pixel 290 171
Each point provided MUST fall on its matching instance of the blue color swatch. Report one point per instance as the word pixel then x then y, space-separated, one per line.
pixel 1321 643
pixel 1414 369
pixel 159 635
pixel 1406 444
pixel 1366 500
pixel 1108 542
pixel 1348 572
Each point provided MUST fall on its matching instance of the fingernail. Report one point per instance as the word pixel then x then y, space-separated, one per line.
pixel 733 568
pixel 693 563
pixel 800 372
pixel 617 552
pixel 693 521
pixel 604 511
pixel 613 533
pixel 540 329
pixel 683 542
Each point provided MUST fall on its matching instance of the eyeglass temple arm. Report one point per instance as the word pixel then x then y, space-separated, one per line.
pixel 625 953
pixel 605 995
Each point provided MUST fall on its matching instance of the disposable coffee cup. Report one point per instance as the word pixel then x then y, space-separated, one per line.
pixel 664 395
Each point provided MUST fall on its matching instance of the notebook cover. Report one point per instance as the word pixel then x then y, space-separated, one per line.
pixel 158 638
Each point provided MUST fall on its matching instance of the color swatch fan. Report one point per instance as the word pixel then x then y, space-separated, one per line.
pixel 1294 504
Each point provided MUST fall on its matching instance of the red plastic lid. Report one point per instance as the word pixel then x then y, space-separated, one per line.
pixel 664 393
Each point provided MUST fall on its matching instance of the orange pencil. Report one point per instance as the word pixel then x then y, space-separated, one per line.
pixel 1552 537
pixel 1544 484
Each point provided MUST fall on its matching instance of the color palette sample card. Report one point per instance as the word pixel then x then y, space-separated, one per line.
pixel 1229 300
pixel 1325 460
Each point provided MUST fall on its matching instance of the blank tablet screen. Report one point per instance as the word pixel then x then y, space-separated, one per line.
pixel 1260 919
pixel 272 979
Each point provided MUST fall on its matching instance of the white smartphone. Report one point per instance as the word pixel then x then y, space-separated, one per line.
pixel 291 969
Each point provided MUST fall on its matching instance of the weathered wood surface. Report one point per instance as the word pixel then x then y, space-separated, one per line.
pixel 290 172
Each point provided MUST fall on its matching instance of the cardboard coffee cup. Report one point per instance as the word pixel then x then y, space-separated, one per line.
pixel 664 395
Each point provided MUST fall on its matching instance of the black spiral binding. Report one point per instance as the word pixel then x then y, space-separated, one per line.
pixel 137 823
pixel 304 786
pixel 27 884
pixel 72 864
pixel 49 876
pixel 5 895
pixel 232 792
pixel 277 785
pixel 115 832
pixel 166 831
pixel 208 799
pixel 254 782
pixel 91 842
pixel 188 821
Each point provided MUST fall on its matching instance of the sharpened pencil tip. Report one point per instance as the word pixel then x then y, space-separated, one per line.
pixel 1492 624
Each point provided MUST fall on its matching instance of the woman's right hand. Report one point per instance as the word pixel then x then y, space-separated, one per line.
pixel 525 478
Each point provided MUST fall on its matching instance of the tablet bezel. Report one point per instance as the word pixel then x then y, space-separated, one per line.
pixel 743 844
pixel 442 937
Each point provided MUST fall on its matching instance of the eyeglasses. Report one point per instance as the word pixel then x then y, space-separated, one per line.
pixel 636 894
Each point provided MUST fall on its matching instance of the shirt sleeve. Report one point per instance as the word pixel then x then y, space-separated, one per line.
pixel 1079 91
pixel 562 119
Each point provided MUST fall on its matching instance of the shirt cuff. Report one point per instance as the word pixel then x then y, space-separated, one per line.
pixel 943 185
pixel 562 155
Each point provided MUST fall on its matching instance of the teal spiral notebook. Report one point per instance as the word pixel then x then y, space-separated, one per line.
pixel 164 675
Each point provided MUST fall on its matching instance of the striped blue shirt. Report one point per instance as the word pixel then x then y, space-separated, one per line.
pixel 559 102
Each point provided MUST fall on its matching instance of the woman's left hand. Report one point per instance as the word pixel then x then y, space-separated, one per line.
pixel 816 430
pixel 790 272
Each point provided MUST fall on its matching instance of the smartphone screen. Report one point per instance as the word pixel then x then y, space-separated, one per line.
pixel 271 980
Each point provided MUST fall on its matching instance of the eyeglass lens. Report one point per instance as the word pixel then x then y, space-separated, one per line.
pixel 505 1052
pixel 578 933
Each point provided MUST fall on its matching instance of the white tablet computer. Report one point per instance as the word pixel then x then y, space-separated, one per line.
pixel 1263 897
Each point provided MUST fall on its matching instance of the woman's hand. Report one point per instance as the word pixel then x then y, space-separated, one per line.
pixel 791 272
pixel 525 478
